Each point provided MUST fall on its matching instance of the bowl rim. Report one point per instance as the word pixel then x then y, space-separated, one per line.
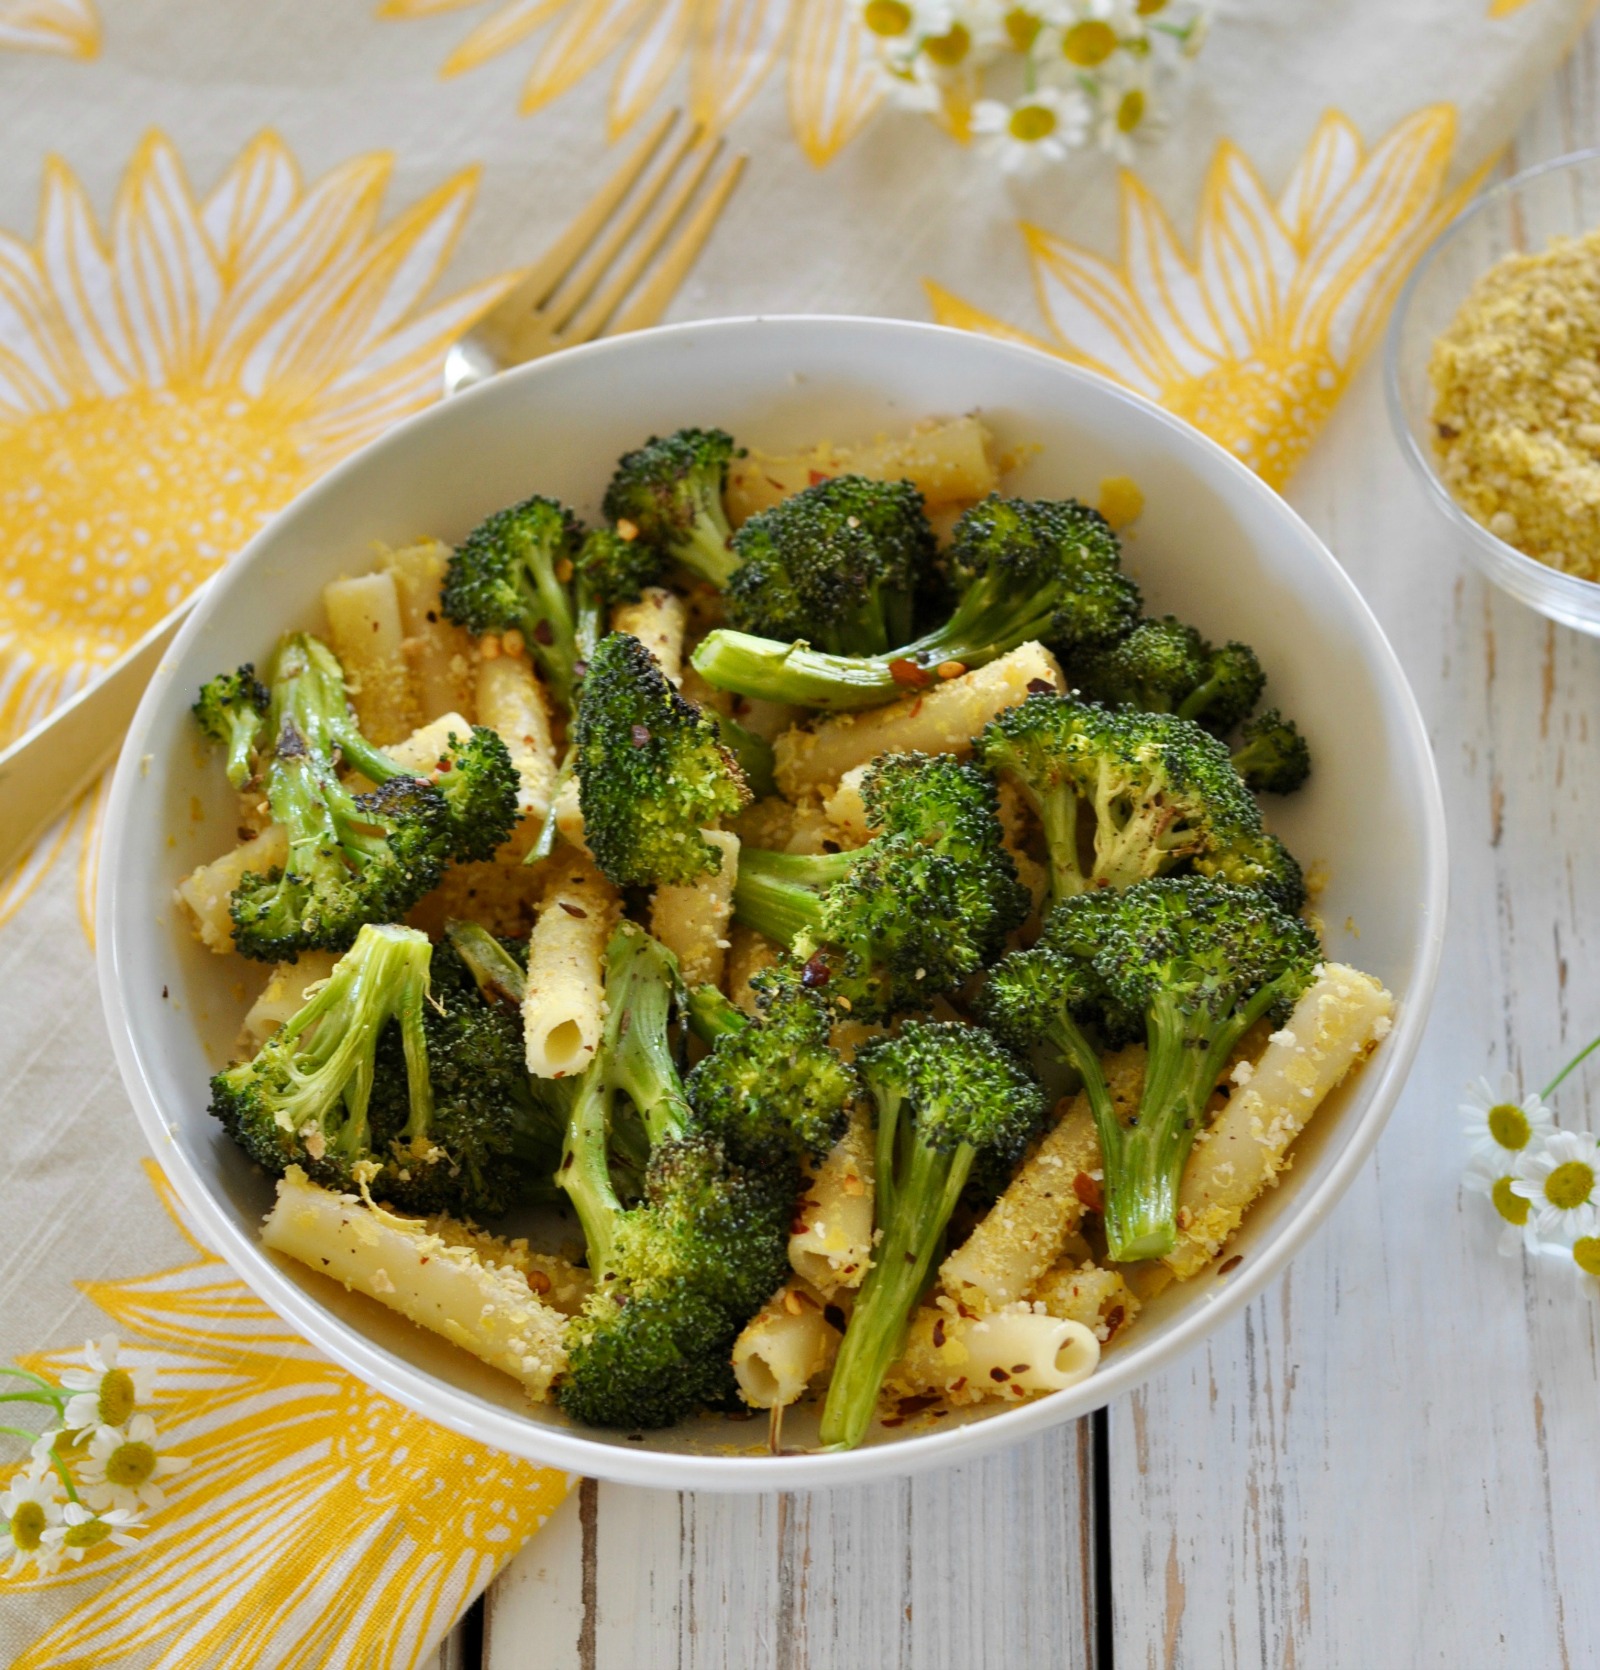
pixel 504 1429
pixel 1562 589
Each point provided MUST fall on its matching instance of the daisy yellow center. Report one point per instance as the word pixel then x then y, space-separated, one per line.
pixel 87 1535
pixel 116 1397
pixel 1509 1126
pixel 111 511
pixel 1089 43
pixel 1513 1208
pixel 949 49
pixel 1149 8
pixel 1022 28
pixel 1586 1254
pixel 27 1526
pixel 130 1465
pixel 1031 123
pixel 1569 1185
pixel 887 17
pixel 1130 113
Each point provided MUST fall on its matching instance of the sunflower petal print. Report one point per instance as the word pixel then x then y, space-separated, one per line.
pixel 166 385
pixel 300 1481
pixel 1254 337
pixel 730 48
pixel 68 27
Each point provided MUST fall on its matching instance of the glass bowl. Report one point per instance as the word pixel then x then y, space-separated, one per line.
pixel 1557 199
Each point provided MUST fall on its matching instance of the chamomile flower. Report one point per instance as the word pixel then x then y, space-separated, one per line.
pixel 122 1467
pixel 106 1390
pixel 80 1530
pixel 1500 1123
pixel 31 1506
pixel 1124 108
pixel 1560 1180
pixel 1041 127
pixel 1488 1173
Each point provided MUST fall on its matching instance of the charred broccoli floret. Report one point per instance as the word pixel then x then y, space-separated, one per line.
pixel 652 770
pixel 836 565
pixel 1158 792
pixel 232 710
pixel 670 493
pixel 396 1075
pixel 943 1094
pixel 1163 666
pixel 1020 569
pixel 1189 962
pixel 1272 755
pixel 915 912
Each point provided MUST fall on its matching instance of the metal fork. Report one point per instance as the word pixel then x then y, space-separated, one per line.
pixel 596 279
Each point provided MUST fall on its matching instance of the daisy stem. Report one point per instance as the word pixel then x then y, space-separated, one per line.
pixel 56 1403
pixel 65 1477
pixel 1577 1060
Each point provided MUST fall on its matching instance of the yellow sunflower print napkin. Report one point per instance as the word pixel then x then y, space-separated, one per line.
pixel 234 244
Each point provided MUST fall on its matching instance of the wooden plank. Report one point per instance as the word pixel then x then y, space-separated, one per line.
pixel 982 1564
pixel 1389 1459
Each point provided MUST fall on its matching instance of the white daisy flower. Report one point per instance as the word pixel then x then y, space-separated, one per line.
pixel 1560 1180
pixel 1489 1174
pixel 106 1391
pixel 1124 108
pixel 31 1506
pixel 1040 127
pixel 122 1467
pixel 1499 1123
pixel 80 1530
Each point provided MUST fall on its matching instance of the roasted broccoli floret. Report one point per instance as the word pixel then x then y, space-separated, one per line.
pixel 1020 569
pixel 396 1075
pixel 1164 666
pixel 652 770
pixel 670 493
pixel 1157 792
pixel 1190 963
pixel 232 710
pixel 1272 756
pixel 836 565
pixel 352 858
pixel 678 1274
pixel 944 1093
pixel 919 909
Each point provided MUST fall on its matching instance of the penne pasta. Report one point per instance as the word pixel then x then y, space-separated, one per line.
pixel 205 893
pixel 1015 1353
pixel 691 919
pixel 940 720
pixel 459 1289
pixel 657 620
pixel 512 702
pixel 1082 1291
pixel 831 1245
pixel 785 1347
pixel 748 953
pixel 564 1009
pixel 365 632
pixel 439 655
pixel 283 997
pixel 1338 1022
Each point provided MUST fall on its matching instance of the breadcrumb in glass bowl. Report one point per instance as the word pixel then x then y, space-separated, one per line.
pixel 1456 360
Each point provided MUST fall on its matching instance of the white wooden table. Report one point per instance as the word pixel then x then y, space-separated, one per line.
pixel 1391 1459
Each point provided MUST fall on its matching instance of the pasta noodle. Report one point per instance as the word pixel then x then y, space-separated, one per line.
pixel 748 953
pixel 484 1306
pixel 283 997
pixel 1013 1353
pixel 564 1009
pixel 832 1245
pixel 1082 1291
pixel 205 893
pixel 785 1347
pixel 438 654
pixel 365 632
pixel 512 703
pixel 1338 1021
pixel 940 720
pixel 691 918
pixel 657 621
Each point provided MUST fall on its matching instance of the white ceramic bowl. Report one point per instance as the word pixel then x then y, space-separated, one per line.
pixel 1214 545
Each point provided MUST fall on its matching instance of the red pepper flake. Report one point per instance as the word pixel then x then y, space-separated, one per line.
pixel 938 1333
pixel 163 991
pixel 1230 1264
pixel 906 672
pixel 998 1373
pixel 433 617
pixel 1040 687
pixel 1088 1192
pixel 574 910
pixel 818 477
pixel 640 735
pixel 1020 1368
pixel 956 1385
pixel 797 1226
pixel 908 1406
pixel 544 633
pixel 1115 1317
pixel 816 972
pixel 894 1420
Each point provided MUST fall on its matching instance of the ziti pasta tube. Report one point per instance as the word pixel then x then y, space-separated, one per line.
pixel 691 918
pixel 786 1346
pixel 831 1244
pixel 365 632
pixel 565 1005
pixel 1015 1353
pixel 438 654
pixel 657 621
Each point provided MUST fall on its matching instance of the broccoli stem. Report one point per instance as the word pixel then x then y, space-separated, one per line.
pixel 1058 817
pixel 585 1171
pixel 913 1211
pixel 777 893
pixel 705 552
pixel 497 973
pixel 711 1015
